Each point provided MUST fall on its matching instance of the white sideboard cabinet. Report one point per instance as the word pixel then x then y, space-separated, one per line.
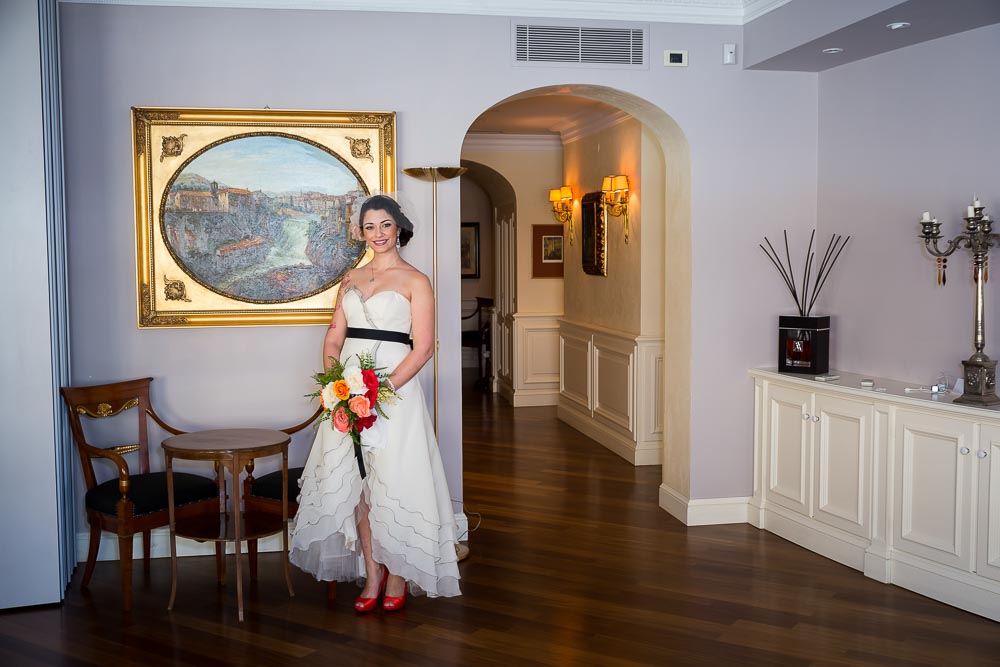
pixel 904 487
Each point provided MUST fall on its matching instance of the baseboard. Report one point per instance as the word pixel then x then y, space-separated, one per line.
pixel 159 543
pixel 833 543
pixel 705 511
pixel 533 398
pixel 965 591
pixel 616 442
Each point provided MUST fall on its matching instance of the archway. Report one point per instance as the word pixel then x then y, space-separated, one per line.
pixel 676 206
pixel 502 259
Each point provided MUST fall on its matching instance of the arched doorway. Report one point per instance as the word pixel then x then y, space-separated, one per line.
pixel 675 401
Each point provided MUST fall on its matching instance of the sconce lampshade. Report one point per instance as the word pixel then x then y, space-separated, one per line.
pixel 606 184
pixel 565 192
pixel 554 194
pixel 619 184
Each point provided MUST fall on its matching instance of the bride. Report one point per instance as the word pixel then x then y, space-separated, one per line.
pixel 381 512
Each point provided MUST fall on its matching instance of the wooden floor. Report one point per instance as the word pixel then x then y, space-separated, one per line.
pixel 573 564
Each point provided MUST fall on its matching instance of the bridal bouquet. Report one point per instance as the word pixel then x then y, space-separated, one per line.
pixel 353 395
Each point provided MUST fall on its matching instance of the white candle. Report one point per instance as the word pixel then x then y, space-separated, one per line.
pixel 977 203
pixel 927 217
pixel 970 212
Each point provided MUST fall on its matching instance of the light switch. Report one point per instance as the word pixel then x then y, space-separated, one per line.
pixel 728 54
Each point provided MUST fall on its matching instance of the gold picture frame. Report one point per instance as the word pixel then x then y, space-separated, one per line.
pixel 241 215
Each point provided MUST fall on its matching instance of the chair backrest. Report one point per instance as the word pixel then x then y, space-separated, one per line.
pixel 482 303
pixel 103 401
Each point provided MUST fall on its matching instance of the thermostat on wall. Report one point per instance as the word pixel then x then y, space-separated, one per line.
pixel 675 58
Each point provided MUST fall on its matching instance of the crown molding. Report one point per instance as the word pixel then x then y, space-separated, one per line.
pixel 728 12
pixel 588 122
pixel 754 9
pixel 491 141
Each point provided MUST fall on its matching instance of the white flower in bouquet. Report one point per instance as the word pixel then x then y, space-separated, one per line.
pixel 355 381
pixel 328 396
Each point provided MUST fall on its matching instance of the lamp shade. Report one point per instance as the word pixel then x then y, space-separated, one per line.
pixel 554 194
pixel 606 184
pixel 566 192
pixel 620 183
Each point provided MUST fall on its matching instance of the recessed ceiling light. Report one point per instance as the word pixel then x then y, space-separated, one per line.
pixel 833 49
pixel 898 25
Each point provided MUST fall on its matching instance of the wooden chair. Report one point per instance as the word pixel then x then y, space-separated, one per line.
pixel 479 338
pixel 130 502
pixel 264 495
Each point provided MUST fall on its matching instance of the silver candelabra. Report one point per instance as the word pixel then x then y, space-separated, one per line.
pixel 980 370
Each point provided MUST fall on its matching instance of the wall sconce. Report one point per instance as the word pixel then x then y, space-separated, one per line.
pixel 615 191
pixel 562 206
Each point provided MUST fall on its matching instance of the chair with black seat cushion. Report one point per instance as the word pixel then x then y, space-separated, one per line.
pixel 130 502
pixel 479 339
pixel 264 495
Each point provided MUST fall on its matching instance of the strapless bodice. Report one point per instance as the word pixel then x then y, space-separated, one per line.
pixel 387 310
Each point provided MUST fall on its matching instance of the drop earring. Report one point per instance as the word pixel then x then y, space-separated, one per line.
pixel 397 243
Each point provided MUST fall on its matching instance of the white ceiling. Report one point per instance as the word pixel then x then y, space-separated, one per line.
pixel 732 12
pixel 544 114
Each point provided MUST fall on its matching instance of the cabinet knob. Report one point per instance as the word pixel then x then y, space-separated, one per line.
pixel 965 451
pixel 815 418
pixel 981 453
pixel 805 417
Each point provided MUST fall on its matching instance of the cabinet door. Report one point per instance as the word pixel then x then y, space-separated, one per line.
pixel 988 509
pixel 788 438
pixel 843 456
pixel 933 487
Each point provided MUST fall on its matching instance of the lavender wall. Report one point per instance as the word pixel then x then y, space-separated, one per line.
pixel 901 133
pixel 753 149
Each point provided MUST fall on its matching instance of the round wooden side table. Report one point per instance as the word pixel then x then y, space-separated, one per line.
pixel 231 449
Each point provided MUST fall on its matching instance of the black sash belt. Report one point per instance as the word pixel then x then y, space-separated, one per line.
pixel 379 334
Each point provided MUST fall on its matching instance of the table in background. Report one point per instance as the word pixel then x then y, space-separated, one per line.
pixel 231 449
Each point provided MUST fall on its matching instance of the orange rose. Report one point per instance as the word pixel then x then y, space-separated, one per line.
pixel 341 420
pixel 341 390
pixel 359 406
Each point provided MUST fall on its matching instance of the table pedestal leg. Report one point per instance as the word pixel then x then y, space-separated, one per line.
pixel 238 537
pixel 173 531
pixel 284 521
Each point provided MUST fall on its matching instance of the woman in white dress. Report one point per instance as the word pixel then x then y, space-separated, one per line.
pixel 381 512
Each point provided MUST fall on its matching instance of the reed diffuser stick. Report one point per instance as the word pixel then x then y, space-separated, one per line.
pixel 805 298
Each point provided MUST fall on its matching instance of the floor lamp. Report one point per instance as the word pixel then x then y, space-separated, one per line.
pixel 435 174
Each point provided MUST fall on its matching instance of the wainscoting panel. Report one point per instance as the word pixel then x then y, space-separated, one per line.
pixel 536 359
pixel 574 366
pixel 614 381
pixel 611 389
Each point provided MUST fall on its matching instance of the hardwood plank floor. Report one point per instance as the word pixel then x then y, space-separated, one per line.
pixel 573 563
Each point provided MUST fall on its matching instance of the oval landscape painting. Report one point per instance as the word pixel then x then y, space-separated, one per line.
pixel 263 219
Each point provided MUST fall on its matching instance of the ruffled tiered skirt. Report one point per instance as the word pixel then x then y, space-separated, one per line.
pixel 409 508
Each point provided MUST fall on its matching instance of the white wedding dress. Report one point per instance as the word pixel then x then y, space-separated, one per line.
pixel 410 513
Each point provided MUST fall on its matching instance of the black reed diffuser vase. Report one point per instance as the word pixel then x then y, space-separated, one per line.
pixel 804 339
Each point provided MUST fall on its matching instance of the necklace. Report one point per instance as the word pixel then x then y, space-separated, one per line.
pixel 372 266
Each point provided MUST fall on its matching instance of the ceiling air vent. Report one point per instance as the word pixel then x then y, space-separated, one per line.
pixel 581 45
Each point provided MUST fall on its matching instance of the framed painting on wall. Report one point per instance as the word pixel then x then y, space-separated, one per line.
pixel 469 250
pixel 242 216
pixel 546 251
pixel 592 233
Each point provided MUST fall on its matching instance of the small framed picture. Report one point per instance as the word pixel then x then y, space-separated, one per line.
pixel 547 251
pixel 469 249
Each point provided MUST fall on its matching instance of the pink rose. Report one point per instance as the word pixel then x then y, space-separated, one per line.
pixel 359 405
pixel 341 420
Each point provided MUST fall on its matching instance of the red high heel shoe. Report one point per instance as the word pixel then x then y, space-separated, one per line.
pixel 364 605
pixel 391 603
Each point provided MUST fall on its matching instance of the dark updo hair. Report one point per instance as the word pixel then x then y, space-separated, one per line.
pixel 389 205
